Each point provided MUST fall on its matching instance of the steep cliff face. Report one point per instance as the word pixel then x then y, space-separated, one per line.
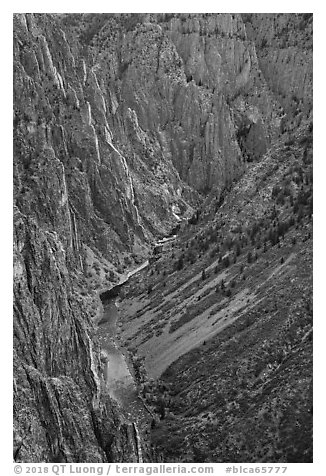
pixel 61 108
pixel 61 410
pixel 219 57
pixel 122 123
pixel 148 105
pixel 194 85
pixel 284 50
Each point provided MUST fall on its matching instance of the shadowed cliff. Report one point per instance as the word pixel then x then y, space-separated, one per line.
pixel 124 126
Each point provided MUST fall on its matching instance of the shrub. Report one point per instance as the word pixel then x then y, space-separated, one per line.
pixel 179 263
pixel 290 141
pixel 226 262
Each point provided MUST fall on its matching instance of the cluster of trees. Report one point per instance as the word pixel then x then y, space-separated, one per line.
pixel 195 217
pixel 292 197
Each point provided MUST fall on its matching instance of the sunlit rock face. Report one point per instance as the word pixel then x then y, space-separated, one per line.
pixel 193 84
pixel 141 114
pixel 122 125
pixel 284 50
pixel 63 108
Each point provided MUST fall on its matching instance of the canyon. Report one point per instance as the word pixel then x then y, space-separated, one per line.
pixel 163 222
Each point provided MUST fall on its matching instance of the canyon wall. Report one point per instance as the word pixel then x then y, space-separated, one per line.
pixel 123 124
pixel 284 51
pixel 193 83
pixel 61 410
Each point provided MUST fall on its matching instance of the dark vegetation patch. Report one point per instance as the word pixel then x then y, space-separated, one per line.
pixel 230 396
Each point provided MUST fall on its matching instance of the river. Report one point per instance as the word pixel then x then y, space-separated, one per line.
pixel 118 371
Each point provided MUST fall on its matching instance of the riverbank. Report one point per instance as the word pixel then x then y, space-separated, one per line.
pixel 117 369
pixel 107 293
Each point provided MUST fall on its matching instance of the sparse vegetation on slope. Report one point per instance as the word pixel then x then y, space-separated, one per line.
pixel 233 336
pixel 129 128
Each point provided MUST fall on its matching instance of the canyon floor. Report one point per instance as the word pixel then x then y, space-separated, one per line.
pixel 163 229
pixel 220 323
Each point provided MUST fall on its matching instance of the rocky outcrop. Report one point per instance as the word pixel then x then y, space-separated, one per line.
pixel 143 110
pixel 62 108
pixel 284 50
pixel 122 122
pixel 61 411
pixel 219 58
pixel 194 85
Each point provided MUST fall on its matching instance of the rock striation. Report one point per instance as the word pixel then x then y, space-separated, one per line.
pixel 124 125
pixel 61 411
pixel 284 51
pixel 194 83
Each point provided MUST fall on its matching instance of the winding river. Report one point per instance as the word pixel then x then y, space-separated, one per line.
pixel 118 371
